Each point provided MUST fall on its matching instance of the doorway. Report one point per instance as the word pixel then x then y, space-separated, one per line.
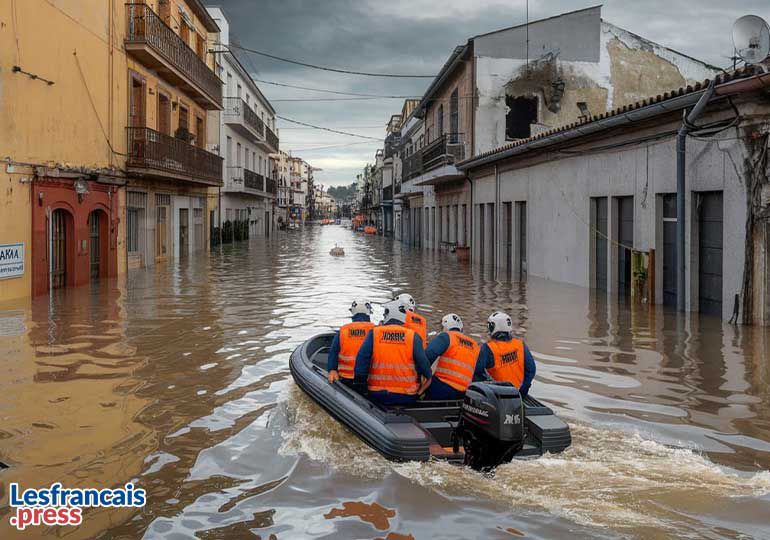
pixel 669 250
pixel 600 243
pixel 625 244
pixel 58 249
pixel 710 218
pixel 184 232
pixel 521 210
pixel 95 241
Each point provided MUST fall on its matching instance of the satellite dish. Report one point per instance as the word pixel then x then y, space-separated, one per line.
pixel 751 38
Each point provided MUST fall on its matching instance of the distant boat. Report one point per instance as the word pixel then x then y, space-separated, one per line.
pixel 337 251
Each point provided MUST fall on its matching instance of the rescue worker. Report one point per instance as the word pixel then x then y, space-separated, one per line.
pixel 391 362
pixel 504 357
pixel 413 320
pixel 457 355
pixel 346 342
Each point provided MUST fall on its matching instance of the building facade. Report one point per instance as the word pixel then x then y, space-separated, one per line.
pixel 174 98
pixel 594 203
pixel 495 89
pixel 248 140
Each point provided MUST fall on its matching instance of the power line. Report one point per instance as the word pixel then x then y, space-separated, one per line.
pixel 337 92
pixel 333 99
pixel 335 70
pixel 330 146
pixel 327 129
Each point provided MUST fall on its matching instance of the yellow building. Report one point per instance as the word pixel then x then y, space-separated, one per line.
pixel 174 97
pixel 104 123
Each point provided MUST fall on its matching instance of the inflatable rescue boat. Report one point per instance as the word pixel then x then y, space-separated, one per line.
pixel 493 424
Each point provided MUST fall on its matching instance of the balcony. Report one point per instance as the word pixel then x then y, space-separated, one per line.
pixel 243 180
pixel 242 118
pixel 449 148
pixel 271 139
pixel 156 155
pixel 154 44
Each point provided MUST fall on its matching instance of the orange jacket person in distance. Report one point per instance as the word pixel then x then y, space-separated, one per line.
pixel 342 354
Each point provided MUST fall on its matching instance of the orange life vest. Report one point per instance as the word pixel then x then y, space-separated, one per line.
pixel 392 366
pixel 352 336
pixel 509 361
pixel 418 324
pixel 456 365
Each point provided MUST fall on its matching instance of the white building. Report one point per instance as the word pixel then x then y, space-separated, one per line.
pixel 248 137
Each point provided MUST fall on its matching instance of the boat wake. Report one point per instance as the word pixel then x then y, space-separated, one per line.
pixel 607 477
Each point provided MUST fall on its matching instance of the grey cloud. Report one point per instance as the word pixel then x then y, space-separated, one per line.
pixel 407 37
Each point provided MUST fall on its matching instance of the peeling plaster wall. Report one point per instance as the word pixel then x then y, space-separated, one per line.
pixel 622 69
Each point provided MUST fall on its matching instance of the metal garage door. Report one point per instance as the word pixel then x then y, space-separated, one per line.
pixel 626 240
pixel 600 243
pixel 710 253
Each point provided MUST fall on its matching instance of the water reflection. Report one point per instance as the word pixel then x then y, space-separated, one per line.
pixel 179 381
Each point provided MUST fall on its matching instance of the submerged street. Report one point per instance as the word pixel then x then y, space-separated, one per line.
pixel 179 382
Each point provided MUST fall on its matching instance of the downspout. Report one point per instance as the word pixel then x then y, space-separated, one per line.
pixel 496 235
pixel 681 154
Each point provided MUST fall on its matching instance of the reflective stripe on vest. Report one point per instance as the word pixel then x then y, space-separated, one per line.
pixel 418 324
pixel 509 361
pixel 392 367
pixel 456 365
pixel 352 336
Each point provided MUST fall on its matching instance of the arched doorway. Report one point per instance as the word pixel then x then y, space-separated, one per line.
pixel 97 240
pixel 58 249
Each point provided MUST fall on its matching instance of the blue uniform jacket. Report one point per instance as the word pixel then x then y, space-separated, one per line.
pixel 364 357
pixel 334 352
pixel 487 361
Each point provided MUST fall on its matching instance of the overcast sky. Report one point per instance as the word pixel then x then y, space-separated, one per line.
pixel 416 37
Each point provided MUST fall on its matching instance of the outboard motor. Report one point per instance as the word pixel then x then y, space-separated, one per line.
pixel 491 425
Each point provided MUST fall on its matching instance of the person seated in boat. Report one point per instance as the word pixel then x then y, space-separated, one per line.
pixel 391 363
pixel 504 357
pixel 453 356
pixel 414 321
pixel 346 342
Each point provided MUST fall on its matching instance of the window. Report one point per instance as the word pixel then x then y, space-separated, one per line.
pixel 229 84
pixel 440 120
pixel 184 118
pixel 238 155
pixel 238 91
pixel 454 117
pixel 164 114
pixel 229 153
pixel 522 113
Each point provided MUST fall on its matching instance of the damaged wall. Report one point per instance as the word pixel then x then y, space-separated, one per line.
pixel 593 62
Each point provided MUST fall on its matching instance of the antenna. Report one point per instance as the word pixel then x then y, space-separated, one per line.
pixel 751 39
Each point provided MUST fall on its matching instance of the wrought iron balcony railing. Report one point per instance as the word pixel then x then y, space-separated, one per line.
pixel 156 154
pixel 155 44
pixel 272 138
pixel 238 114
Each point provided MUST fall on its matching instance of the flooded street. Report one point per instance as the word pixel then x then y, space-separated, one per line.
pixel 179 381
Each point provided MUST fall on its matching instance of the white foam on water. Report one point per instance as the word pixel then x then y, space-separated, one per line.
pixel 607 478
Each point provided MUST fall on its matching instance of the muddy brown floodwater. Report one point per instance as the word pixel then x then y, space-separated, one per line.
pixel 179 381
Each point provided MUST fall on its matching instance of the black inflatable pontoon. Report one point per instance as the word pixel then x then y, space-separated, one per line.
pixel 493 419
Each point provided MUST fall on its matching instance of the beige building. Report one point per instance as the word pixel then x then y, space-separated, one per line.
pixel 495 89
pixel 172 126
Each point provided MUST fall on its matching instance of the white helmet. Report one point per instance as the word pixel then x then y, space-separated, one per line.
pixel 499 322
pixel 407 300
pixel 451 321
pixel 394 310
pixel 361 306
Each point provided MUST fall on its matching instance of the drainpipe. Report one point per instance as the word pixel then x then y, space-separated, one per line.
pixel 681 142
pixel 496 235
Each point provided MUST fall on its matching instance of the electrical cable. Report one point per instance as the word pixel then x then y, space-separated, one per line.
pixel 334 70
pixel 326 91
pixel 93 105
pixel 328 129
